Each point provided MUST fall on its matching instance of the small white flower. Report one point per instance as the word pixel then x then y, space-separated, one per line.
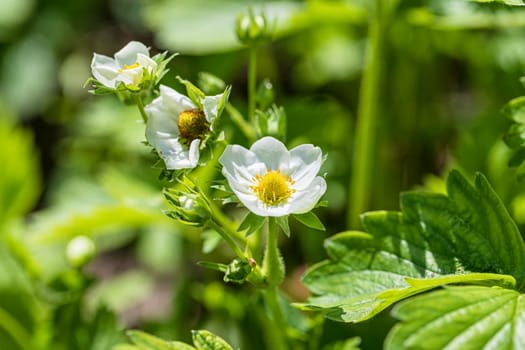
pixel 176 126
pixel 272 181
pixel 127 67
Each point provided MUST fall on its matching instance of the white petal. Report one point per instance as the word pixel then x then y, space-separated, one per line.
pixel 128 54
pixel 236 155
pixel 305 200
pixel 104 69
pixel 146 62
pixel 174 101
pixel 162 133
pixel 193 153
pixel 211 106
pixel 272 152
pixel 130 76
pixel 305 162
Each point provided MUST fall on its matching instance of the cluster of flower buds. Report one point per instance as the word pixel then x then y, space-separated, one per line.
pixel 189 206
pixel 253 29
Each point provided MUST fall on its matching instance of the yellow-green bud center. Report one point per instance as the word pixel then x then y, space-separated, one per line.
pixel 192 125
pixel 273 187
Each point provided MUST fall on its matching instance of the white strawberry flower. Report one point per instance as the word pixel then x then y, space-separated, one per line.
pixel 176 126
pixel 272 181
pixel 127 66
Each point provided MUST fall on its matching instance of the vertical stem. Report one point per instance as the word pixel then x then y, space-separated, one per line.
pixel 252 82
pixel 273 266
pixel 273 270
pixel 140 105
pixel 271 297
pixel 367 114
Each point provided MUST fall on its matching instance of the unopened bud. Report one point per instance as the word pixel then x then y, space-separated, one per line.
pixel 253 29
pixel 237 271
pixel 80 250
pixel 188 207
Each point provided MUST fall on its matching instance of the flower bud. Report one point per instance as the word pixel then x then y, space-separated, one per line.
pixel 189 208
pixel 237 271
pixel 80 250
pixel 253 29
pixel 211 84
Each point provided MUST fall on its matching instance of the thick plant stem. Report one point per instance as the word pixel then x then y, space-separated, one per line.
pixel 367 114
pixel 227 238
pixel 271 296
pixel 273 266
pixel 245 127
pixel 252 82
pixel 140 105
pixel 273 271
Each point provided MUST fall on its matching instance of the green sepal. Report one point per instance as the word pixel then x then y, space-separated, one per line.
pixel 194 93
pixel 282 221
pixel 213 266
pixel 251 223
pixel 205 340
pixel 310 220
pixel 237 271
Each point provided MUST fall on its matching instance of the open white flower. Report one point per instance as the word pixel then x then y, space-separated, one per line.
pixel 127 67
pixel 176 126
pixel 272 181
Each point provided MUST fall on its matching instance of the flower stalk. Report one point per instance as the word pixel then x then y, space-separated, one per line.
pixel 252 82
pixel 367 114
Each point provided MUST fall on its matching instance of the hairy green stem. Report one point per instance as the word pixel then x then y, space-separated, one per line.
pixel 273 271
pixel 252 82
pixel 271 296
pixel 273 266
pixel 245 127
pixel 140 105
pixel 367 114
pixel 227 238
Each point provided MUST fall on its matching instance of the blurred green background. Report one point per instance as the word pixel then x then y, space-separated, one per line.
pixel 73 165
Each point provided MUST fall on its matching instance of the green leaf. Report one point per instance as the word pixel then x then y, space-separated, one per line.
pixel 205 340
pixel 460 318
pixel 251 223
pixel 282 221
pixel 506 2
pixel 147 341
pixel 466 236
pixel 194 93
pixel 20 176
pixel 310 220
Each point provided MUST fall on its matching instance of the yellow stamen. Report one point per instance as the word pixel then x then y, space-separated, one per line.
pixel 273 187
pixel 128 67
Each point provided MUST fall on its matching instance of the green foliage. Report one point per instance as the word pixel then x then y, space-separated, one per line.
pixel 466 236
pixel 310 220
pixel 202 339
pixel 467 317
pixel 251 223
pixel 515 136
pixel 20 177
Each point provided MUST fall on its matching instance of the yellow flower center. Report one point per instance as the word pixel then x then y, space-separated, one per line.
pixel 192 125
pixel 273 187
pixel 128 67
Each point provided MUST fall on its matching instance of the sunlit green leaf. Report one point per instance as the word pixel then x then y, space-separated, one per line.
pixel 466 236
pixel 147 341
pixel 205 340
pixel 460 318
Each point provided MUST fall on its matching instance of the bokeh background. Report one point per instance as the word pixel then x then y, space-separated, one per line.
pixel 73 164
